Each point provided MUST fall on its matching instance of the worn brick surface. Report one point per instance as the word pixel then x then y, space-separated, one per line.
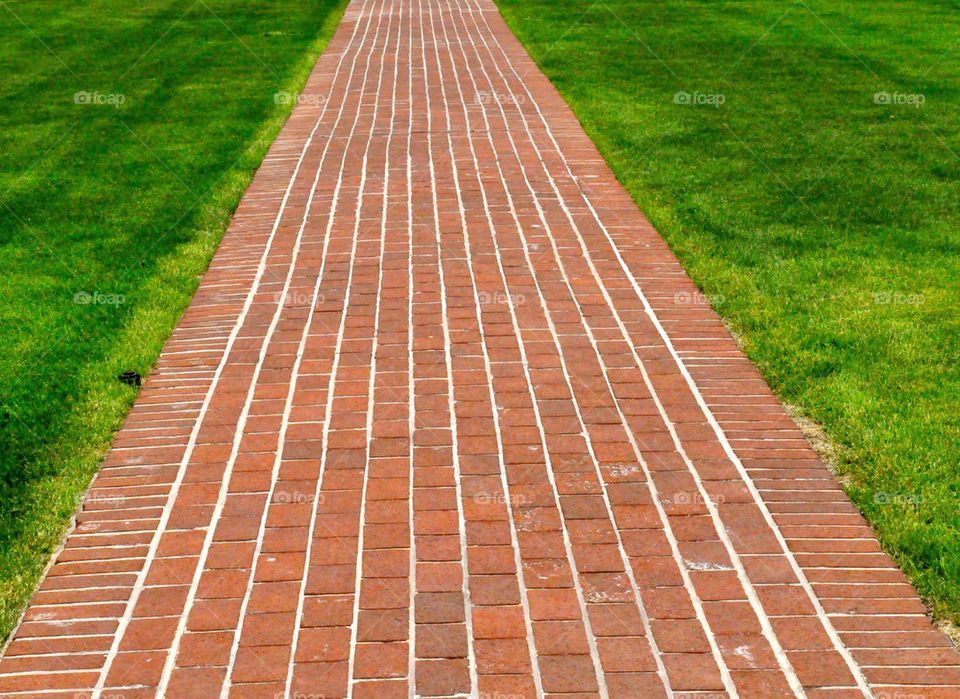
pixel 447 418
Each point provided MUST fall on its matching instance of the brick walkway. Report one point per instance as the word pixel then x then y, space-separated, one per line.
pixel 439 345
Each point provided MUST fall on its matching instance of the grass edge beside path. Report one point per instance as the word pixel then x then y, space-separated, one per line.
pixel 101 407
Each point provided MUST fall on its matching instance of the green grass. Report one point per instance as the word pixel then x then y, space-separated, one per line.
pixel 127 200
pixel 824 226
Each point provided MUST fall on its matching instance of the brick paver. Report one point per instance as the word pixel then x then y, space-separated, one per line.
pixel 447 418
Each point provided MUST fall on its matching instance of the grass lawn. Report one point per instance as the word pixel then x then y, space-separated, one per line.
pixel 822 218
pixel 128 132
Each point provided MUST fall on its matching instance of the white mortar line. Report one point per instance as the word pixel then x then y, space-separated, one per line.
pixel 333 373
pixel 124 621
pixel 170 663
pixel 766 627
pixel 411 414
pixel 828 626
pixel 448 359
pixel 678 558
pixel 371 403
pixel 568 547
pixel 495 415
pixel 289 399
